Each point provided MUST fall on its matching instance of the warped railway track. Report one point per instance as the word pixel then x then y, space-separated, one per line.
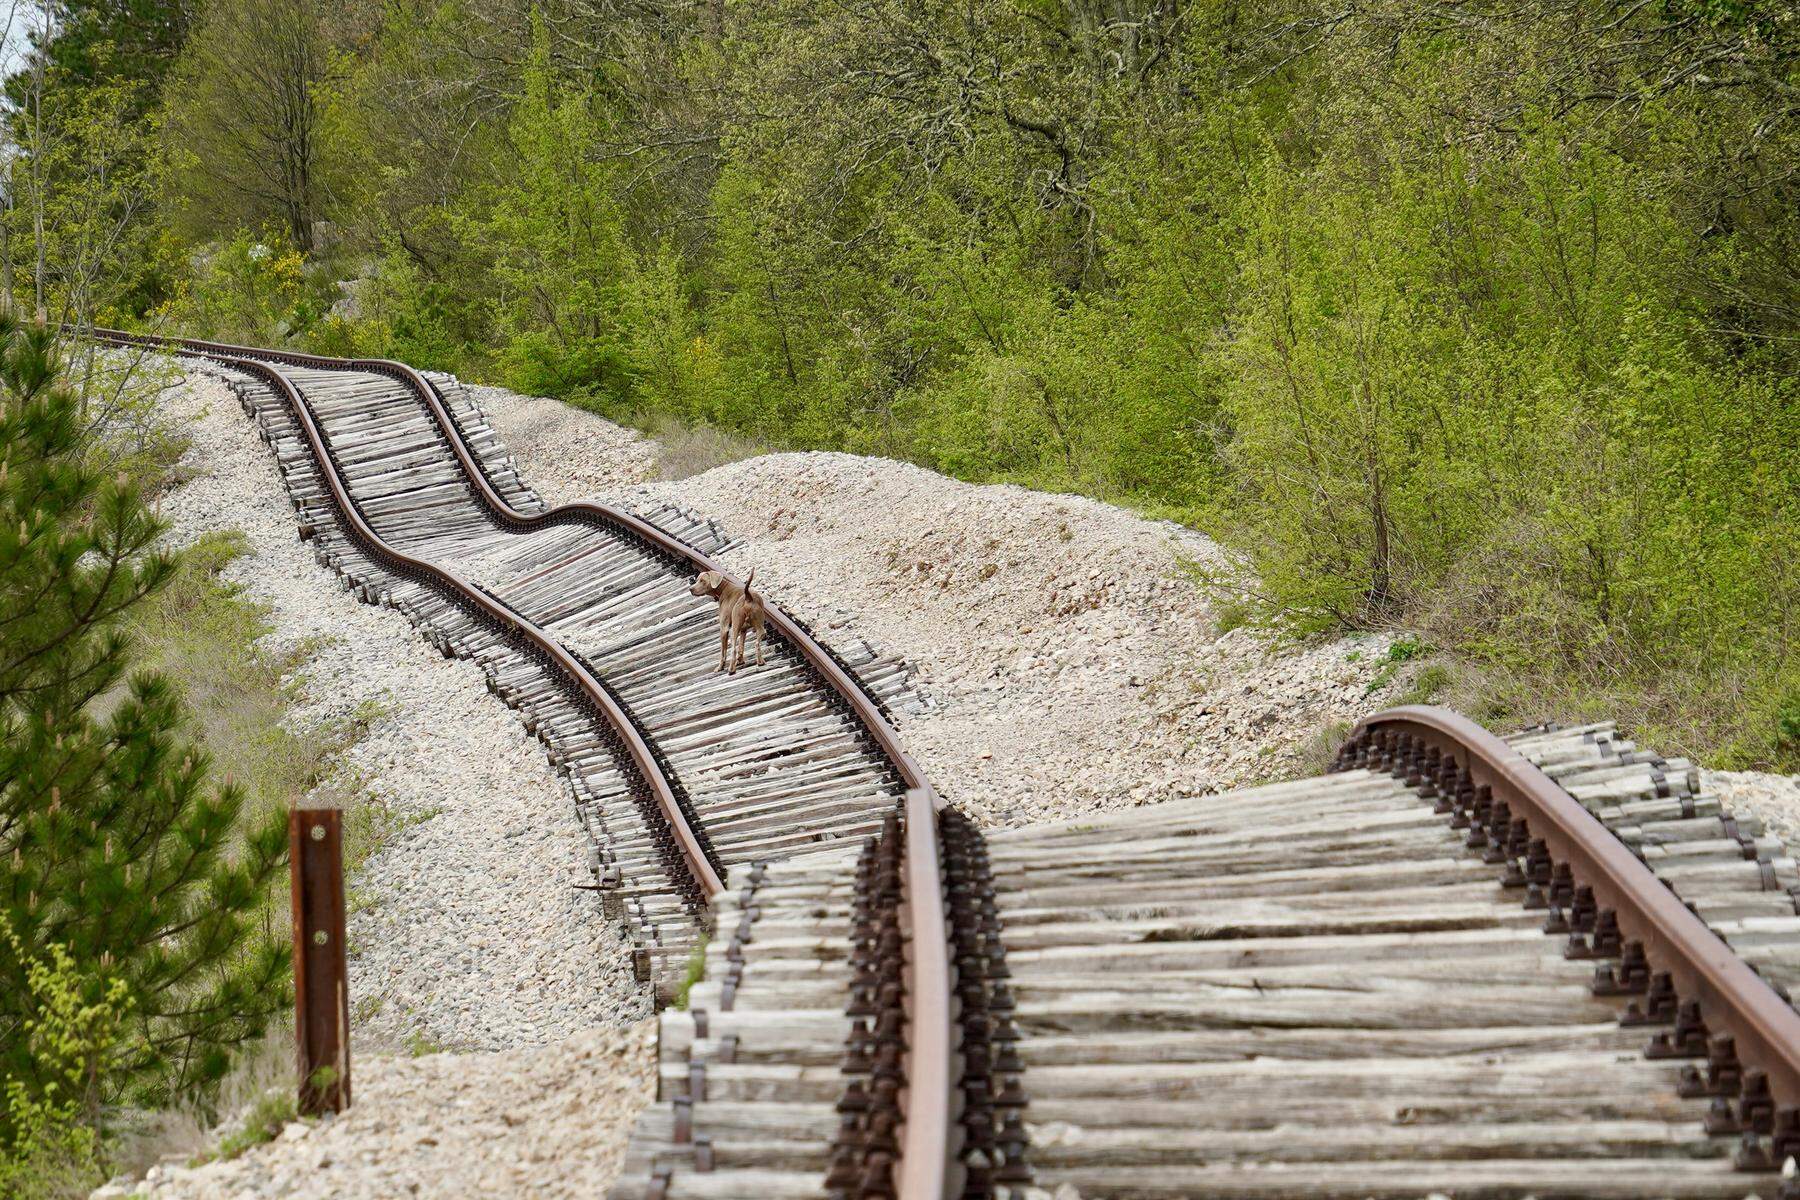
pixel 582 619
pixel 1456 965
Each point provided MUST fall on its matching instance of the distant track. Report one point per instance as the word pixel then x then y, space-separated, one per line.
pixel 581 616
pixel 1337 987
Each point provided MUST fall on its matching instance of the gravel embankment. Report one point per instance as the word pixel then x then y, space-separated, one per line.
pixel 467 933
pixel 598 456
pixel 551 1122
pixel 1071 665
pixel 1774 798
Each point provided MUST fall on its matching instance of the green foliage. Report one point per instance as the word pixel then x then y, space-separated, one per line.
pixel 1483 325
pixel 419 1044
pixel 49 1136
pixel 552 232
pixel 1428 686
pixel 267 1117
pixel 80 190
pixel 105 41
pixel 1405 649
pixel 250 290
pixel 1787 723
pixel 1230 615
pixel 244 114
pixel 692 972
pixel 113 844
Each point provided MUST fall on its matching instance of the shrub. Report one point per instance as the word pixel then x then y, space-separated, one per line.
pixel 1787 723
pixel 49 1135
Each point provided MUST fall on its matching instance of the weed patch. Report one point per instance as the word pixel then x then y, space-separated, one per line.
pixel 206 635
pixel 263 1123
pixel 694 972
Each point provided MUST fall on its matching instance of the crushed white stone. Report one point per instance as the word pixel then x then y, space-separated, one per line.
pixel 549 1121
pixel 572 455
pixel 1774 798
pixel 1071 665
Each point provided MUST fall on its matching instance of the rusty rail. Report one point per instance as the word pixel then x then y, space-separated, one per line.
pixel 1734 1000
pixel 927 1162
pixel 927 1152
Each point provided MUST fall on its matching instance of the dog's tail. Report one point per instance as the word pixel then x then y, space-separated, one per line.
pixel 750 579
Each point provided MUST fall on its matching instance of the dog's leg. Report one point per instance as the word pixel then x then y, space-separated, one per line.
pixel 759 641
pixel 724 640
pixel 737 641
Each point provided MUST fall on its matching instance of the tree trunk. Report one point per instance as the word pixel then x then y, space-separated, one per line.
pixel 1381 565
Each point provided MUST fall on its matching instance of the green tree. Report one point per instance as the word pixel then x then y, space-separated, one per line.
pixel 114 845
pixel 244 117
pixel 110 41
pixel 83 188
pixel 552 231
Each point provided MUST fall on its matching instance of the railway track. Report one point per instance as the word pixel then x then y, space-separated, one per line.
pixel 581 618
pixel 1456 965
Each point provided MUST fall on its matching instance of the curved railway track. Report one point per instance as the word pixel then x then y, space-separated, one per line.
pixel 581 617
pixel 1459 965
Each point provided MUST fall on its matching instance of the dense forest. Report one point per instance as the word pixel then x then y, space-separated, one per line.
pixel 1471 318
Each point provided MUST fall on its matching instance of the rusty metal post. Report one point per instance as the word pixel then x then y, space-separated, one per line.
pixel 321 987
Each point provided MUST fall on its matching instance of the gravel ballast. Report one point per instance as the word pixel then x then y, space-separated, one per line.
pixel 549 1121
pixel 1071 664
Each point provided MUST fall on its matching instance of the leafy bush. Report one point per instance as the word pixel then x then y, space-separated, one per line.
pixel 1428 685
pixel 50 1139
pixel 251 289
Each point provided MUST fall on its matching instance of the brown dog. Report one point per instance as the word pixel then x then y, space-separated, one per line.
pixel 739 610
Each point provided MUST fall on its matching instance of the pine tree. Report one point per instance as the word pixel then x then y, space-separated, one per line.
pixel 114 844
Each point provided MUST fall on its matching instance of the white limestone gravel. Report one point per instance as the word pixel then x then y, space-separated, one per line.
pixel 1070 664
pixel 1774 798
pixel 465 929
pixel 596 454
pixel 551 1121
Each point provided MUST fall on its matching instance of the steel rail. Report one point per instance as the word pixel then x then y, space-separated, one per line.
pixel 705 878
pixel 820 659
pixel 924 1168
pixel 1733 998
pixel 926 1162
